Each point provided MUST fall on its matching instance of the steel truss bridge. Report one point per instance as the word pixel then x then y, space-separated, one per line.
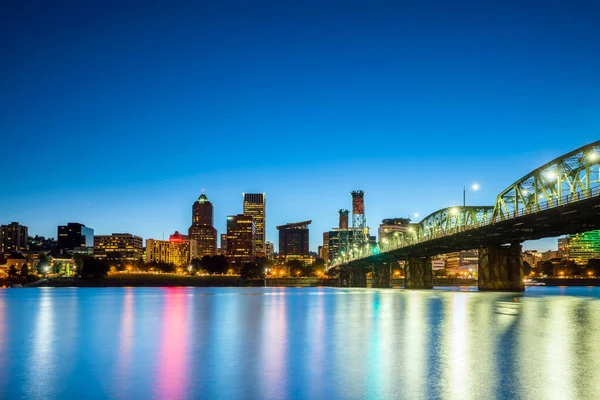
pixel 560 197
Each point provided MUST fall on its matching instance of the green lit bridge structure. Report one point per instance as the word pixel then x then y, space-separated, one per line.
pixel 558 198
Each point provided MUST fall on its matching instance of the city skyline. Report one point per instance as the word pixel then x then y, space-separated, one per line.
pixel 130 122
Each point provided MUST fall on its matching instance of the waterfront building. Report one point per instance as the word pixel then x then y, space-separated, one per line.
pixel 241 239
pixel 293 241
pixel 123 246
pixel 389 226
pixel 75 235
pixel 202 229
pixel 462 259
pixel 580 247
pixel 549 255
pixel 178 250
pixel 255 205
pixel 13 238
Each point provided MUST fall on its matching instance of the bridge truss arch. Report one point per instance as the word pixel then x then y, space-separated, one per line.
pixel 571 177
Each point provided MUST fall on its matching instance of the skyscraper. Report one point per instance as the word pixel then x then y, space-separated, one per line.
pixel 13 237
pixel 241 238
pixel 75 235
pixel 293 240
pixel 255 205
pixel 202 229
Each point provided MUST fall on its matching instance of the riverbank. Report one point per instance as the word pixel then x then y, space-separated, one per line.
pixel 166 280
pixel 150 280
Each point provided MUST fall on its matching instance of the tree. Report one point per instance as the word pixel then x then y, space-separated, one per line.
pixel 295 267
pixel 220 264
pixel 547 268
pixel 196 264
pixel 526 268
pixel 93 268
pixel 24 270
pixel 251 270
pixel 57 267
pixel 13 272
pixel 43 262
pixel 593 266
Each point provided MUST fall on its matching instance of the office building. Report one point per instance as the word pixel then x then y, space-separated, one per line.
pixel 270 251
pixel 241 239
pixel 178 250
pixel 13 238
pixel 293 240
pixel 580 247
pixel 124 247
pixel 255 205
pixel 389 226
pixel 202 229
pixel 75 235
pixel 462 259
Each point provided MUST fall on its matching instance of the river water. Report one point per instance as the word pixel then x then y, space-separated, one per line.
pixel 299 343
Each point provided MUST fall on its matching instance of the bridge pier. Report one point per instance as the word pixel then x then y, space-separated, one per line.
pixel 501 268
pixel 353 277
pixel 382 275
pixel 418 273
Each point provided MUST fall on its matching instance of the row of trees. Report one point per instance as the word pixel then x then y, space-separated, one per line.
pixel 563 268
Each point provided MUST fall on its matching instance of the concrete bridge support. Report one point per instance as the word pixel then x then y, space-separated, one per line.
pixel 382 276
pixel 501 268
pixel 418 273
pixel 353 277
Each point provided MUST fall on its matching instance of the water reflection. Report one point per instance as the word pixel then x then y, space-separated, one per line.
pixel 42 358
pixel 172 358
pixel 274 343
pixel 126 339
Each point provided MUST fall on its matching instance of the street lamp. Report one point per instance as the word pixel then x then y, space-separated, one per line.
pixel 473 187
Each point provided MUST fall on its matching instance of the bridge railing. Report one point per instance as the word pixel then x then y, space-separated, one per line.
pixel 549 204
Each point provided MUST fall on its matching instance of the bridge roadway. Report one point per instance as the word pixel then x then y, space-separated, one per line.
pixel 498 236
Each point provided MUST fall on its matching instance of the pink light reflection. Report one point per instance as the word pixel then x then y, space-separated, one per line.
pixel 173 368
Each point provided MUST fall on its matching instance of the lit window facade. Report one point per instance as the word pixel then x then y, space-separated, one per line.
pixel 13 238
pixel 202 229
pixel 127 246
pixel 581 247
pixel 241 239
pixel 255 205
pixel 177 250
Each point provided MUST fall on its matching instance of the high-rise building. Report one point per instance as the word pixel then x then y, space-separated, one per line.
pixel 241 238
pixel 580 247
pixel 123 246
pixel 202 229
pixel 293 240
pixel 324 254
pixel 389 226
pixel 74 235
pixel 13 238
pixel 255 205
pixel 270 251
pixel 563 247
pixel 177 250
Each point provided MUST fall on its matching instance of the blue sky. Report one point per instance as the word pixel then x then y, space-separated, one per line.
pixel 117 115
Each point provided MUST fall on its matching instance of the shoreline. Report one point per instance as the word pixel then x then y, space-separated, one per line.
pixel 174 280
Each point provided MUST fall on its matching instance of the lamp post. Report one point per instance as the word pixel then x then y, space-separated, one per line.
pixel 473 187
